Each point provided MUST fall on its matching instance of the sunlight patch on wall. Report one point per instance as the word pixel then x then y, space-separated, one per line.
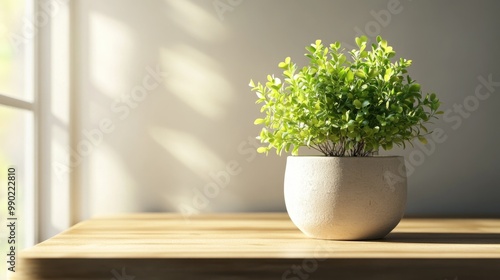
pixel 110 194
pixel 187 149
pixel 195 20
pixel 196 79
pixel 110 48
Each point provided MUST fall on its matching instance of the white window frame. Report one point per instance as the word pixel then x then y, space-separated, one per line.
pixel 57 196
pixel 30 193
pixel 53 202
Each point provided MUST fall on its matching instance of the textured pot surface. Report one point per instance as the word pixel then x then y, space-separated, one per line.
pixel 345 198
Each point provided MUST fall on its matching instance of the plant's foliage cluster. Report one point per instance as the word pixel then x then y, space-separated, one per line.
pixel 343 104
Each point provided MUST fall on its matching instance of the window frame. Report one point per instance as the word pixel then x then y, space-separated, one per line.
pixel 30 193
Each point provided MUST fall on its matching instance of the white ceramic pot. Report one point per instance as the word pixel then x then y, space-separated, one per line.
pixel 345 198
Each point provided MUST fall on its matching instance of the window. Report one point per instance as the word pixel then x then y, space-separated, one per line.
pixel 17 124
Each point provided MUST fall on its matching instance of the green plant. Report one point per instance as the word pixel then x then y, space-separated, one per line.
pixel 343 103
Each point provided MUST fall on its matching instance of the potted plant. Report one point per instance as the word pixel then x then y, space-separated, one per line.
pixel 345 105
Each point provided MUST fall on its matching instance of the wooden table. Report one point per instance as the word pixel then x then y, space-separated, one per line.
pixel 260 246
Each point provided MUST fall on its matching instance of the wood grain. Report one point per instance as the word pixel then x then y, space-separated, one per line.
pixel 261 246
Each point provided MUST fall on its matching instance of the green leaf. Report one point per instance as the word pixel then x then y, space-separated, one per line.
pixel 350 76
pixel 262 150
pixel 383 43
pixel 311 49
pixel 357 104
pixel 388 146
pixel 335 46
pixel 360 73
pixel 358 41
pixel 423 140
pixel 361 40
pixel 388 74
pixel 258 121
pixel 342 59
pixel 415 88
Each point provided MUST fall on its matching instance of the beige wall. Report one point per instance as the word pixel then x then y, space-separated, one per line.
pixel 161 91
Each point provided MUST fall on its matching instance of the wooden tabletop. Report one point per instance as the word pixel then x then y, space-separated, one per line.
pixel 260 246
